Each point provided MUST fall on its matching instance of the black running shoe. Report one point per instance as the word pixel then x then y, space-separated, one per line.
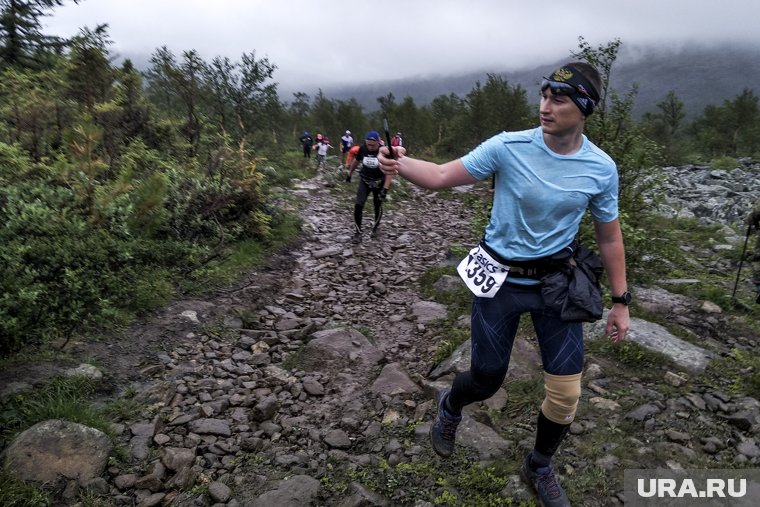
pixel 545 484
pixel 444 428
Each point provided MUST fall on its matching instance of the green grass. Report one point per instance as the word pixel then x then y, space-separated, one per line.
pixel 461 482
pixel 478 487
pixel 708 289
pixel 663 320
pixel 630 354
pixel 293 360
pixel 480 202
pixel 737 373
pixel 36 354
pixel 455 336
pixel 125 407
pixel 90 499
pixel 653 248
pixel 240 258
pixel 525 396
pixel 594 443
pixel 66 398
pixel 290 166
pixel 458 301
pixel 400 190
pixel 16 493
pixel 366 332
pixel 593 484
pixel 725 162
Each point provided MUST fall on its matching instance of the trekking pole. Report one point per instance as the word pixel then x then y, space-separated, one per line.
pixel 741 261
pixel 388 138
pixel 391 151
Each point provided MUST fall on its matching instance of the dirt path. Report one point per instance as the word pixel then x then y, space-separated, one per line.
pixel 415 234
pixel 323 282
pixel 309 382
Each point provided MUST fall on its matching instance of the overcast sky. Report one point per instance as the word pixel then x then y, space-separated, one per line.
pixel 319 43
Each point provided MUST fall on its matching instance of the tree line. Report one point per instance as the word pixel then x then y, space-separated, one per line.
pixel 118 185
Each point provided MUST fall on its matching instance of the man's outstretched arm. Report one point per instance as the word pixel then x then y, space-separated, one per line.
pixel 423 173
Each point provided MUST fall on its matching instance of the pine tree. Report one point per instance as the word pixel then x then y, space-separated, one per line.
pixel 90 74
pixel 22 44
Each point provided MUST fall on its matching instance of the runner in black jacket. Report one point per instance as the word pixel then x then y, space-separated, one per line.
pixel 371 179
pixel 306 142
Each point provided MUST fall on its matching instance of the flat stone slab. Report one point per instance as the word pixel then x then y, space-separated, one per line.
pixel 655 337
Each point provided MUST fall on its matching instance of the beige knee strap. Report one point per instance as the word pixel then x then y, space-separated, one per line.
pixel 562 395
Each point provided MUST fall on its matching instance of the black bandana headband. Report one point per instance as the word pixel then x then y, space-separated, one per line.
pixel 568 81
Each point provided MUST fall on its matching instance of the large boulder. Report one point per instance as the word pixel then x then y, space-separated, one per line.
pixel 658 339
pixel 524 361
pixel 339 347
pixel 394 380
pixel 54 448
pixel 295 491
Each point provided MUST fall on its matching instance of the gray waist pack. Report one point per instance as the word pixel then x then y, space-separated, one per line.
pixel 573 290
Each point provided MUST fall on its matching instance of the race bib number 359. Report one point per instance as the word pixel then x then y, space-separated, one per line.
pixel 482 274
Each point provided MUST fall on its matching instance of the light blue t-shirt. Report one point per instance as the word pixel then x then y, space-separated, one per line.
pixel 541 196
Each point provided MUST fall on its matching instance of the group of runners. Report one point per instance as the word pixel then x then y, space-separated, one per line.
pixel 363 156
pixel 321 145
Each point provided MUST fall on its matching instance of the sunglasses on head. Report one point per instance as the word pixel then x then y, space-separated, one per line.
pixel 559 88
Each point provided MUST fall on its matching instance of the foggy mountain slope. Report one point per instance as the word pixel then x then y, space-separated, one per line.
pixel 699 76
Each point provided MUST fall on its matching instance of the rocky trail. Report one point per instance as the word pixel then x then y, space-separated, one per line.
pixel 311 383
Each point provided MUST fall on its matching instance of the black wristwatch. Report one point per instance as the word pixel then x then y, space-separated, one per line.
pixel 624 298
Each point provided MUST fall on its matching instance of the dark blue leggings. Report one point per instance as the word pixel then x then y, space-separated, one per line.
pixel 494 325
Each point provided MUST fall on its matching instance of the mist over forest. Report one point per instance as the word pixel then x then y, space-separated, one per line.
pixel 699 76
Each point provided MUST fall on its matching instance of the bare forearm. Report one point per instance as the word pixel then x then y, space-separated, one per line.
pixel 612 251
pixel 420 172
pixel 613 258
pixel 426 174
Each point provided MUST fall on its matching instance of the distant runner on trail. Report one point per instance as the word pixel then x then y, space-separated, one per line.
pixel 306 142
pixel 397 140
pixel 371 180
pixel 346 142
pixel 322 146
pixel 352 155
pixel 546 178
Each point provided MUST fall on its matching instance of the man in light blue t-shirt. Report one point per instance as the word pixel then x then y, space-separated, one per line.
pixel 546 178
